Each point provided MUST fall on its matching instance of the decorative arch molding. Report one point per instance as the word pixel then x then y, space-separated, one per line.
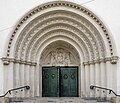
pixel 61 12
pixel 50 25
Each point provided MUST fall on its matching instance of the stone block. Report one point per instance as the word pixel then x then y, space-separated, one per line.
pixel 115 99
pixel 4 100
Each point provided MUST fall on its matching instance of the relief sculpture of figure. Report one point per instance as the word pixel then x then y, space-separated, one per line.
pixel 67 59
pixel 59 56
pixel 53 59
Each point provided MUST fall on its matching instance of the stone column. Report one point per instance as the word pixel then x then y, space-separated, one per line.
pixel 109 75
pixel 9 78
pixel 97 77
pixel 36 81
pixel 22 74
pixel 103 76
pixel 1 78
pixel 27 78
pixel 32 78
pixel 40 76
pixel 82 81
pixel 16 78
pixel 87 79
pixel 92 77
pixel 114 64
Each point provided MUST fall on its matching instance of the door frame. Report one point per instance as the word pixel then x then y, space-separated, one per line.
pixel 78 75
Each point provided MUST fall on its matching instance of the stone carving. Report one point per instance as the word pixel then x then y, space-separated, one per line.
pixel 59 57
pixel 55 4
pixel 82 36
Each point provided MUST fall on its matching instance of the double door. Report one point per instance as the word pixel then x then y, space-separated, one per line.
pixel 60 81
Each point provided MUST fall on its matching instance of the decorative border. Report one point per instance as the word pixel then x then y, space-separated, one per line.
pixel 64 4
pixel 112 60
pixel 7 61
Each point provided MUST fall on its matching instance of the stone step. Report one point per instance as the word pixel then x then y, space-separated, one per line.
pixel 53 100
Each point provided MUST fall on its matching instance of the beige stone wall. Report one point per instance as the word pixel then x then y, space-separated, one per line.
pixel 4 100
pixel 116 100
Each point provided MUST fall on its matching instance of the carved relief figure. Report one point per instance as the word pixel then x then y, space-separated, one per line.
pixel 52 58
pixel 59 57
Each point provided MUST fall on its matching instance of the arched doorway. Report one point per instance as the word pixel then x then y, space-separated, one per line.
pixel 66 28
pixel 60 64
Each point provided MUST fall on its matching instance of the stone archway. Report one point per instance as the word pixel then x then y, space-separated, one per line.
pixel 59 53
pixel 60 21
pixel 60 58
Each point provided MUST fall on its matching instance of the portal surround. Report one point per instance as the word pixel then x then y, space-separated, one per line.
pixel 88 36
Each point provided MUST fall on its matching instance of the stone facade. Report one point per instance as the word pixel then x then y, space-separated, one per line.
pixel 60 33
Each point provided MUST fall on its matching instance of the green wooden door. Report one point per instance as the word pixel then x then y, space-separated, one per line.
pixel 50 82
pixel 69 82
pixel 59 82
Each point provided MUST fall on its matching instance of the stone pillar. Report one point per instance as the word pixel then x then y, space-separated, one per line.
pixel 40 76
pixel 103 77
pixel 118 77
pixel 36 81
pixel 32 78
pixel 27 78
pixel 8 78
pixel 92 77
pixel 87 79
pixel 16 78
pixel 109 75
pixel 1 78
pixel 82 81
pixel 114 63
pixel 97 77
pixel 22 77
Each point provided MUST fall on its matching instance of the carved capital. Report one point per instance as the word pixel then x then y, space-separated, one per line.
pixel 102 60
pixel 5 60
pixel 33 64
pixel 107 59
pixel 86 63
pixel 91 62
pixel 114 59
pixel 97 61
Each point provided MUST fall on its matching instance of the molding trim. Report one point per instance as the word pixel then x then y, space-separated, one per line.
pixel 61 4
pixel 7 61
pixel 112 60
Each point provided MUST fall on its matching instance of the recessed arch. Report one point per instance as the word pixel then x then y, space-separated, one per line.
pixel 71 6
pixel 62 46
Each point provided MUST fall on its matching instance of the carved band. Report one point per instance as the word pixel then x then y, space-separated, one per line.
pixel 112 60
pixel 7 61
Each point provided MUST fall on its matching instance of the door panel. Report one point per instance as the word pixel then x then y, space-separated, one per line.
pixel 69 81
pixel 50 87
pixel 60 82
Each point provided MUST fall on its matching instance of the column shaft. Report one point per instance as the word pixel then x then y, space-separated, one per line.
pixel 87 80
pixel 92 79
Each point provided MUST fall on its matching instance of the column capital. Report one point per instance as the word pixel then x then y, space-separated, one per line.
pixel 7 61
pixel 96 61
pixel 85 63
pixel 91 62
pixel 114 59
pixel 102 60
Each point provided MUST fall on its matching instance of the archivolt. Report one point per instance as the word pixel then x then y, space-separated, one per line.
pixel 61 18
